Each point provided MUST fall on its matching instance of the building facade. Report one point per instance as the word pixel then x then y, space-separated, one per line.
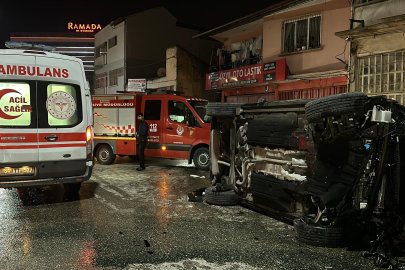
pixel 77 44
pixel 300 34
pixel 135 47
pixel 377 46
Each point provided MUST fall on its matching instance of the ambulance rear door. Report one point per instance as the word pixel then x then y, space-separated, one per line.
pixel 18 118
pixel 62 120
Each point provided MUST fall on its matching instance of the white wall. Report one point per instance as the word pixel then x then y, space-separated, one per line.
pixel 376 11
pixel 115 55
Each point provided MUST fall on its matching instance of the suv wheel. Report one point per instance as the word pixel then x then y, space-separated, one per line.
pixel 224 198
pixel 336 105
pixel 325 236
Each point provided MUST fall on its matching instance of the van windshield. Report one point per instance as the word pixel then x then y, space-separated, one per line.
pixel 199 107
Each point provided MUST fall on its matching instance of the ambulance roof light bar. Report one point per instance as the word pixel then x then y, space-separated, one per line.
pixel 29 46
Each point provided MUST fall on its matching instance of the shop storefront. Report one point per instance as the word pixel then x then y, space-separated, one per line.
pixel 270 82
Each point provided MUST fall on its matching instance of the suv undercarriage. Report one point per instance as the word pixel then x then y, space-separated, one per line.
pixel 334 164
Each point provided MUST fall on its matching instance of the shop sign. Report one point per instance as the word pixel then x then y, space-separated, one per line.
pixel 246 76
pixel 136 85
pixel 87 28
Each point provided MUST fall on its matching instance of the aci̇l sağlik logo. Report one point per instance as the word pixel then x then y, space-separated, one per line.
pixel 14 104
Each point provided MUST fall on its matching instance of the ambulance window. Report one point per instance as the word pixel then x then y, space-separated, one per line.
pixel 152 109
pixel 17 100
pixel 178 111
pixel 60 105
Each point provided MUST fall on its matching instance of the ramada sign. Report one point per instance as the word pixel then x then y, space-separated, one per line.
pixel 247 76
pixel 84 27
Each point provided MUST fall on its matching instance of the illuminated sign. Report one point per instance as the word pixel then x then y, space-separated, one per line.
pixel 84 27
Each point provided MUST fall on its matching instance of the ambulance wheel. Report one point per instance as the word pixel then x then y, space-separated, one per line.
pixel 72 187
pixel 201 159
pixel 105 155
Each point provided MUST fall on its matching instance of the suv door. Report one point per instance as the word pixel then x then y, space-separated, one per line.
pixel 18 121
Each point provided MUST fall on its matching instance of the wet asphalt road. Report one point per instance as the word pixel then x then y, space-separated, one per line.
pixel 124 219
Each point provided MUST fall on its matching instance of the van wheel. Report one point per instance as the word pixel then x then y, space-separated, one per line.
pixel 105 155
pixel 201 159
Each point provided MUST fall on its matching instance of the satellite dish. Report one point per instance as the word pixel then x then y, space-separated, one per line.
pixel 161 72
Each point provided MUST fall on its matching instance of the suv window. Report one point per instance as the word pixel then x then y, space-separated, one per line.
pixel 60 104
pixel 152 109
pixel 17 104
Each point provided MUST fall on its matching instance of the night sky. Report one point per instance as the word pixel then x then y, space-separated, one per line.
pixel 53 16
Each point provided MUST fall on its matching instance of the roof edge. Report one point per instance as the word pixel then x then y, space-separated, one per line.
pixel 252 17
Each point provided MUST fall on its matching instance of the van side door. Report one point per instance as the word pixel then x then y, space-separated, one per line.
pixel 63 119
pixel 152 111
pixel 18 119
pixel 178 134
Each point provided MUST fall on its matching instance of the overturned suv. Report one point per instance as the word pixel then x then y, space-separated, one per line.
pixel 333 164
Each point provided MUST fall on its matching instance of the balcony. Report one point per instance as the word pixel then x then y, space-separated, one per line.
pixel 236 64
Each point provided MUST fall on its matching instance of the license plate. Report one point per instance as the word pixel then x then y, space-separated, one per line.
pixel 26 170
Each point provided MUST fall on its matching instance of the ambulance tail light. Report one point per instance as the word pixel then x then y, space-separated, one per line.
pixel 89 142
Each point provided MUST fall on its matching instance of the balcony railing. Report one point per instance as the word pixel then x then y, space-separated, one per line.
pixel 236 64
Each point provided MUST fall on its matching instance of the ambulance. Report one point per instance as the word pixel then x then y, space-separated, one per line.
pixel 178 127
pixel 46 119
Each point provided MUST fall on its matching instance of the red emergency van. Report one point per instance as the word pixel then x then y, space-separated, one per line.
pixel 178 127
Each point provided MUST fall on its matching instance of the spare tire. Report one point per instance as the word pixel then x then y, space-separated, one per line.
pixel 336 105
pixel 224 198
pixel 325 236
pixel 222 109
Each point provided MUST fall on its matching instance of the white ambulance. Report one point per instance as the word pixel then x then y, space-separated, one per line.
pixel 46 119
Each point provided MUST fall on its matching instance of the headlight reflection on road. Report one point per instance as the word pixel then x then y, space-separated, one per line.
pixel 163 200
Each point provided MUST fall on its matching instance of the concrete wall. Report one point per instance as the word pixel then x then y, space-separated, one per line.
pixel 149 33
pixel 335 17
pixel 241 37
pixel 191 75
pixel 374 12
pixel 116 53
pixel 171 72
pixel 115 56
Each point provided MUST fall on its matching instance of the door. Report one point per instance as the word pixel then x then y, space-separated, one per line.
pixel 178 135
pixel 152 111
pixel 18 121
pixel 62 122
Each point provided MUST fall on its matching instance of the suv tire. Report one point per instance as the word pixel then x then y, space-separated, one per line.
pixel 325 236
pixel 336 105
pixel 222 109
pixel 224 198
